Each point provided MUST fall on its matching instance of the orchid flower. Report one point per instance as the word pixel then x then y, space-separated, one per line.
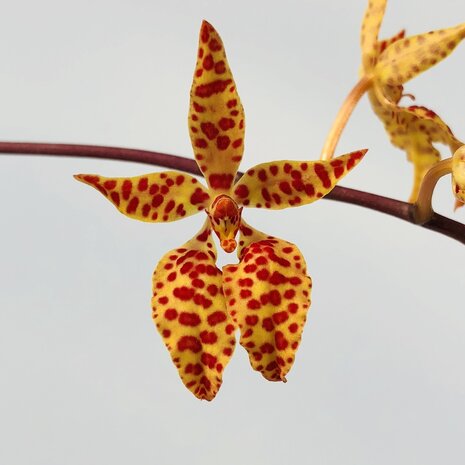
pixel 391 63
pixel 197 307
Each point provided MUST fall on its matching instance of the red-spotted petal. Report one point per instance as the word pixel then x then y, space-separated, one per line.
pixel 216 116
pixel 190 314
pixel 283 184
pixel 155 197
pixel 369 32
pixel 268 296
pixel 410 56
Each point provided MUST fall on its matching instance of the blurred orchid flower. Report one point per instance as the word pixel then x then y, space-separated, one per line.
pixel 393 62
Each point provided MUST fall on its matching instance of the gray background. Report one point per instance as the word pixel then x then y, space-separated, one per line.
pixel 84 377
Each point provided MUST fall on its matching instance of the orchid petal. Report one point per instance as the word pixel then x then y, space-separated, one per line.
pixel 216 116
pixel 408 57
pixel 415 129
pixel 189 311
pixel 369 33
pixel 283 184
pixel 155 197
pixel 268 296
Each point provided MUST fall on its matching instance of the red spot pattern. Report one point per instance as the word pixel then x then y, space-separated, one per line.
pixel 216 318
pixel 220 67
pixel 198 108
pixel 222 142
pixel 236 144
pixel 321 172
pixel 215 87
pixel 201 143
pixel 189 319
pixel 205 31
pixel 226 123
pixel 271 324
pixel 199 197
pixel 126 189
pixel 241 191
pixel 285 187
pixel 208 63
pixel 143 184
pixel 215 45
pixel 189 343
pixel 114 196
pixel 109 185
pixel 210 130
pixel 189 311
pixel 220 181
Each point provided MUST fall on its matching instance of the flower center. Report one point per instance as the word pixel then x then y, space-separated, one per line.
pixel 225 219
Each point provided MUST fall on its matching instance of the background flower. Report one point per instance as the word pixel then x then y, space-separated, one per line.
pixel 393 62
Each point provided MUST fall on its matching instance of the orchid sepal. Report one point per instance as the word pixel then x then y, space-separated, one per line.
pixel 155 197
pixel 216 115
pixel 287 183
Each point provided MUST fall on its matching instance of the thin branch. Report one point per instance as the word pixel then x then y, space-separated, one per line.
pixel 106 153
pixel 402 210
pixel 396 208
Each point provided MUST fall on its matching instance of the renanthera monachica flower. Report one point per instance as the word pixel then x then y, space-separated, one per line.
pixel 196 307
pixel 391 63
pixel 386 66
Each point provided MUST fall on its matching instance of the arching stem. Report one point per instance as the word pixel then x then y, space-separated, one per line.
pixel 396 208
pixel 343 116
pixel 423 208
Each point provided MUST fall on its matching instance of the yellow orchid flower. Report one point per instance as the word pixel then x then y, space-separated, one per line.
pixel 197 307
pixel 391 63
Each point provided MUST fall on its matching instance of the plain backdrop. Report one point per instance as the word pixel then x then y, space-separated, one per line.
pixel 84 376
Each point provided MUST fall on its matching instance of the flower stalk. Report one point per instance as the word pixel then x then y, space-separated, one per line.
pixel 423 208
pixel 343 116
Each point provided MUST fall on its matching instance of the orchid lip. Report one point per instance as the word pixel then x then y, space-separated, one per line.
pixel 229 245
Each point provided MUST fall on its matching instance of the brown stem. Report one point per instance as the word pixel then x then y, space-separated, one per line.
pixel 399 209
pixel 99 151
pixel 343 116
pixel 402 210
